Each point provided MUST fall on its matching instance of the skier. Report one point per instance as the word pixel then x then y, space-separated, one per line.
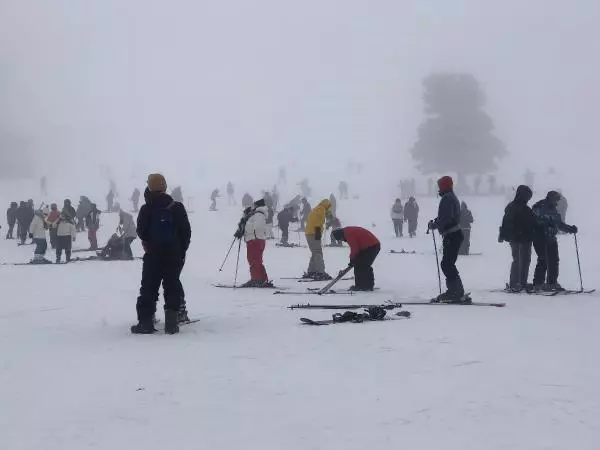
pixel 343 189
pixel 314 233
pixel 213 198
pixel 548 223
pixel 411 215
pixel 165 232
pixel 83 209
pixel 306 209
pixel 466 219
pixel 448 225
pixel 37 230
pixel 270 213
pixel 230 194
pixel 255 234
pixel 518 226
pixel 283 221
pixel 397 215
pixel 177 194
pixel 562 206
pixel 128 233
pixel 110 198
pixel 52 220
pixel 92 222
pixel 11 219
pixel 25 215
pixel 247 201
pixel 333 202
pixel 65 234
pixel 135 199
pixel 334 223
pixel 364 248
pixel 68 208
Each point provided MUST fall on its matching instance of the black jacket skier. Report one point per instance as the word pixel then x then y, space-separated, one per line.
pixel 518 227
pixel 284 218
pixel 448 225
pixel 411 215
pixel 466 220
pixel 548 223
pixel 165 232
pixel 11 219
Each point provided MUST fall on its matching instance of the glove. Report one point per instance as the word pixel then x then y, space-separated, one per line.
pixel 573 229
pixel 318 234
pixel 238 234
pixel 431 225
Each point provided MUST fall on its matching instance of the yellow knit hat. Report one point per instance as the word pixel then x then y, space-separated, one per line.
pixel 157 183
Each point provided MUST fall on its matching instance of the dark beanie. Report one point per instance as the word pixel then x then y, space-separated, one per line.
pixel 259 203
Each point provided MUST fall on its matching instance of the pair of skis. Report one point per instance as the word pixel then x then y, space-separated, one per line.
pixel 391 305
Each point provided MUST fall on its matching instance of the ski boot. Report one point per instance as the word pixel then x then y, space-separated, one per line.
pixel 360 289
pixel 309 275
pixel 322 277
pixel 267 284
pixel 144 327
pixel 252 284
pixel 182 316
pixel 554 287
pixel 171 321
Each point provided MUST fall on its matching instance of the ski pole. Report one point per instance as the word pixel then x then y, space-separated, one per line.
pixel 335 280
pixel 578 261
pixel 237 264
pixel 437 260
pixel 227 255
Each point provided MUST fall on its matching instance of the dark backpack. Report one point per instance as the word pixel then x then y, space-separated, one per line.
pixel 162 232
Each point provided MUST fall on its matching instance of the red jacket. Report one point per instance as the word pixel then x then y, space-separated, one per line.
pixel 359 239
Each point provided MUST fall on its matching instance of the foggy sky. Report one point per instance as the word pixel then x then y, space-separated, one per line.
pixel 185 85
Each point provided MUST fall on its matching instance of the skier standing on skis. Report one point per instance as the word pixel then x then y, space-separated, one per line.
pixel 518 227
pixel 314 233
pixel 66 233
pixel 283 221
pixel 92 222
pixel 255 235
pixel 397 215
pixel 448 225
pixel 548 224
pixel 165 232
pixel 466 219
pixel 11 219
pixel 364 248
pixel 411 215
pixel 213 198
pixel 37 230
pixel 52 220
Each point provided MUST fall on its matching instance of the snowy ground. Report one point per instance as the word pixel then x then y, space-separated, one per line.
pixel 249 376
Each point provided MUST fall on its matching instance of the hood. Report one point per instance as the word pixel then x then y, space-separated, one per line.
pixel 523 194
pixel 325 204
pixel 159 199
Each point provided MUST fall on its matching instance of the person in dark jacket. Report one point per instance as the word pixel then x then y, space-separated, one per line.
pixel 213 198
pixel 25 215
pixel 92 222
pixel 411 215
pixel 364 248
pixel 448 225
pixel 466 219
pixel 285 216
pixel 135 199
pixel 11 219
pixel 165 232
pixel 68 208
pixel 548 224
pixel 518 226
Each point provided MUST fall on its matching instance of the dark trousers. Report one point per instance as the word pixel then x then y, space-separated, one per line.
pixel 451 244
pixel 412 228
pixel 11 230
pixel 398 227
pixel 159 267
pixel 182 305
pixel 22 230
pixel 53 237
pixel 284 233
pixel 41 245
pixel 548 260
pixel 363 270
pixel 465 247
pixel 63 243
pixel 521 259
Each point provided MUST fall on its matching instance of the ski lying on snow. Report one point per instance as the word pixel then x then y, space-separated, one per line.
pixel 366 306
pixel 187 322
pixel 333 291
pixel 311 292
pixel 231 286
pixel 310 280
pixel 404 252
pixel 81 250
pixel 307 321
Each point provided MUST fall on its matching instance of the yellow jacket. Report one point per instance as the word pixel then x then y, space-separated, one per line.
pixel 316 218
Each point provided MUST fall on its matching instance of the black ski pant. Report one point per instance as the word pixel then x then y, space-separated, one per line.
pixel 412 227
pixel 398 227
pixel 22 231
pixel 11 230
pixel 160 267
pixel 451 245
pixel 127 253
pixel 285 235
pixel 548 259
pixel 63 243
pixel 521 260
pixel 363 270
pixel 53 237
pixel 465 247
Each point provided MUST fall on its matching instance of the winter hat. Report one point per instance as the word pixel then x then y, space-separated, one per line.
pixel 259 203
pixel 445 184
pixel 553 196
pixel 338 234
pixel 524 193
pixel 157 183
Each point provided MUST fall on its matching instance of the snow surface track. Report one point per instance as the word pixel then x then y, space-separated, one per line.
pixel 250 376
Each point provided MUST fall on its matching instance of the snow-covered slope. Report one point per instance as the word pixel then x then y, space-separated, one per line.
pixel 249 376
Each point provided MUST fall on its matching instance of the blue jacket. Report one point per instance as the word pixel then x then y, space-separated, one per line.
pixel 548 220
pixel 448 218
